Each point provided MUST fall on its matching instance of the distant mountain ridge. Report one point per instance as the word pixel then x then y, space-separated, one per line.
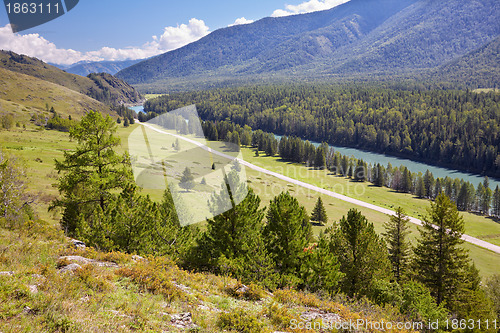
pixel 360 37
pixel 109 67
pixel 102 87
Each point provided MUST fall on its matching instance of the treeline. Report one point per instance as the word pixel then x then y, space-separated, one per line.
pixel 274 246
pixel 481 199
pixel 459 129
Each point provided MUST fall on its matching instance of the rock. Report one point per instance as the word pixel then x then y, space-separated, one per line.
pixel 182 320
pixel 85 261
pixel 78 244
pixel 69 268
pixel 78 259
pixel 118 314
pixel 314 314
pixel 33 288
pixel 27 310
pixel 241 290
pixel 137 258
pixel 182 287
pixel 8 273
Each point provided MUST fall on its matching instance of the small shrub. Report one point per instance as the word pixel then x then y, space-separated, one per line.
pixel 240 321
pixel 154 278
pixel 92 279
pixel 252 292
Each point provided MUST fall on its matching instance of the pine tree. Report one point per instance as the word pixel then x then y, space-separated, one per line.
pixel 485 200
pixel 187 180
pixel 407 181
pixel 233 242
pixel 496 202
pixel 321 269
pixel 319 213
pixel 287 232
pixel 420 188
pixel 360 171
pixel 320 157
pixel 380 177
pixel 361 253
pixel 439 258
pixel 176 145
pixel 396 233
pixel 92 174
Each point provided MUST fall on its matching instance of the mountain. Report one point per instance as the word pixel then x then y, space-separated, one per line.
pixel 110 67
pixel 358 38
pixel 479 68
pixel 103 87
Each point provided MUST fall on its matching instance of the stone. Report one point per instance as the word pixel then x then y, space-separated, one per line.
pixel 85 261
pixel 8 273
pixel 182 320
pixel 69 268
pixel 78 244
pixel 33 288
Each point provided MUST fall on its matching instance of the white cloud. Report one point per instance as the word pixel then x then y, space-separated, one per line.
pixel 36 46
pixel 307 7
pixel 241 20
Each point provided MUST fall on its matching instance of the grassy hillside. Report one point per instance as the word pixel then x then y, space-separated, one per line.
pixel 24 95
pixel 46 285
pixel 102 87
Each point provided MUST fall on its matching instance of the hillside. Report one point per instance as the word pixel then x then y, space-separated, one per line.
pixel 359 38
pixel 479 68
pixel 24 94
pixel 113 92
pixel 110 67
pixel 49 285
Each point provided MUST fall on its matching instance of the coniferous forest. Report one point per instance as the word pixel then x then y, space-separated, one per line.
pixel 458 129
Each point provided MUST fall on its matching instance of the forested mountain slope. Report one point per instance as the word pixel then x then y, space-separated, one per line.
pixel 359 38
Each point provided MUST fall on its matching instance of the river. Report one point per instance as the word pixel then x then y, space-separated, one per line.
pixel 383 159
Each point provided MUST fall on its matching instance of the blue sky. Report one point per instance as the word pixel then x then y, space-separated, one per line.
pixel 122 29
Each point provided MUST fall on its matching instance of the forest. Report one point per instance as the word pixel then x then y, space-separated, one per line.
pixel 456 129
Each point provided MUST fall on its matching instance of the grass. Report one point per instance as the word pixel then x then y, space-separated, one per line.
pixel 152 96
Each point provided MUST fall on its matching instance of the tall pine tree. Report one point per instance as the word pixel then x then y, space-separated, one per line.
pixel 396 233
pixel 361 253
pixel 287 232
pixel 439 258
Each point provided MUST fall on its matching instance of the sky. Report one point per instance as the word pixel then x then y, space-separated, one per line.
pixel 97 30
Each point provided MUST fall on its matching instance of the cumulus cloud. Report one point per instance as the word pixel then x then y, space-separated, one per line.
pixel 241 20
pixel 36 46
pixel 307 7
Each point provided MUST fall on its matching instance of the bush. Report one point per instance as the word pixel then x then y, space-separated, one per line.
pixel 240 321
pixel 7 121
pixel 419 305
pixel 252 292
